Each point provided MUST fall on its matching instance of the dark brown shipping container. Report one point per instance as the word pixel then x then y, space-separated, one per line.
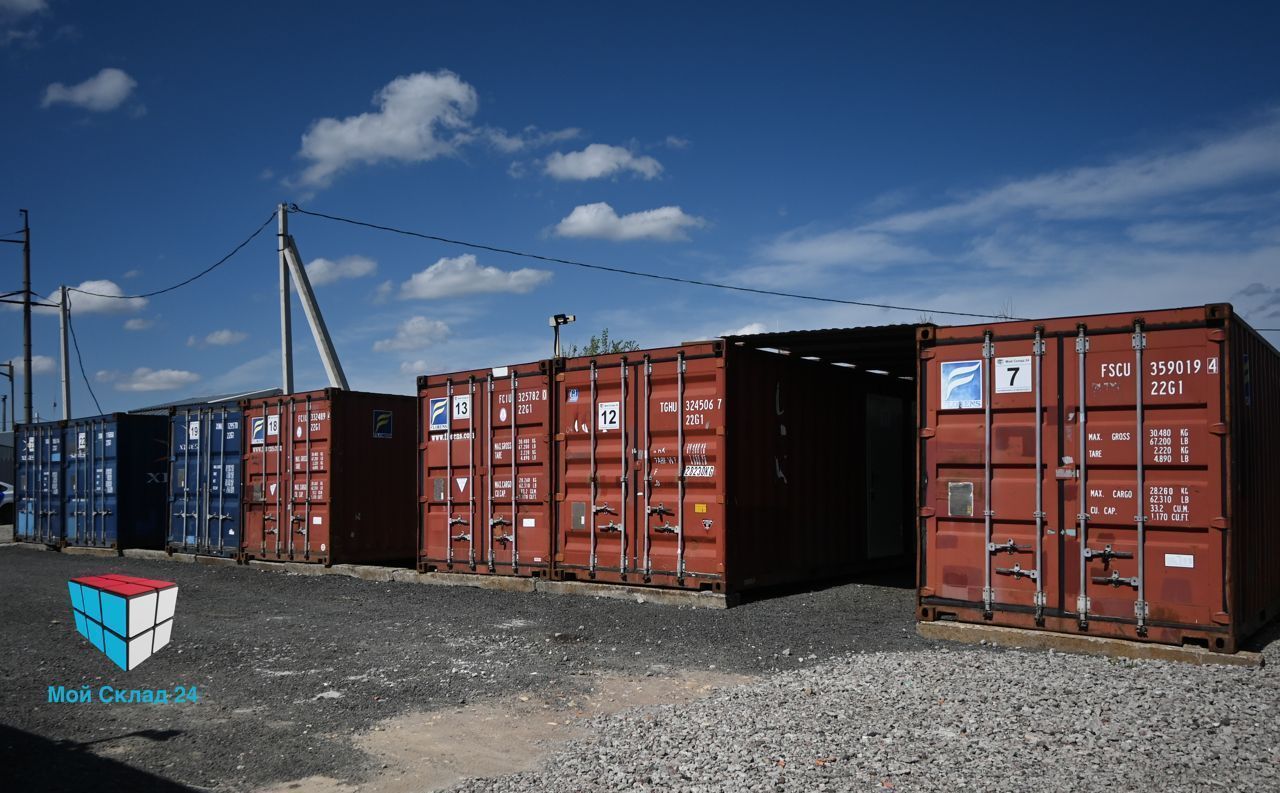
pixel 484 495
pixel 329 478
pixel 717 466
pixel 1111 475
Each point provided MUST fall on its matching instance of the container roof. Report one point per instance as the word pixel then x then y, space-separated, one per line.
pixel 208 400
pixel 876 348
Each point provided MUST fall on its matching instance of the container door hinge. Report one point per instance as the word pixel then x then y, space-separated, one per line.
pixel 1041 600
pixel 1082 344
pixel 1140 610
pixel 1222 618
pixel 928 512
pixel 1139 340
pixel 1082 607
pixel 1221 524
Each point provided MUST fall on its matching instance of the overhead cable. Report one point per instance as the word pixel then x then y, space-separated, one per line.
pixel 639 273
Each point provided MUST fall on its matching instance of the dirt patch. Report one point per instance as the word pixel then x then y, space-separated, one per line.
pixel 433 750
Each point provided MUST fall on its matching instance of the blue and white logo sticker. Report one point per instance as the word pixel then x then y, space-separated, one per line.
pixel 259 432
pixel 573 395
pixel 961 385
pixel 439 412
pixel 382 425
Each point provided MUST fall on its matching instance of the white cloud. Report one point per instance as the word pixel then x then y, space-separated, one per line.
pixel 225 337
pixel 528 138
pixel 750 329
pixel 40 364
pixel 383 292
pixel 414 333
pixel 601 221
pixel 132 273
pixel 144 379
pixel 106 90
pixel 462 275
pixel 218 338
pixel 324 271
pixel 1099 191
pixel 138 323
pixel 676 142
pixel 416 114
pixel 599 160
pixel 413 368
pixel 844 246
pixel 94 299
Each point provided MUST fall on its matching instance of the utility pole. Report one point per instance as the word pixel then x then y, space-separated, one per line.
pixel 65 311
pixel 286 299
pixel 26 316
pixel 319 331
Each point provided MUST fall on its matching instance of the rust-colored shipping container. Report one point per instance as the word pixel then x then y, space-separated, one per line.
pixel 329 478
pixel 1111 475
pixel 722 467
pixel 484 499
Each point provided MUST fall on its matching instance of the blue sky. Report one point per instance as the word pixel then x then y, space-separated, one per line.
pixel 1029 159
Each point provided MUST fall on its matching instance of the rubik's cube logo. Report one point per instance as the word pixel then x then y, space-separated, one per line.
pixel 125 617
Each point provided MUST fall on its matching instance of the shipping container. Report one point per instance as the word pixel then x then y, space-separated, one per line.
pixel 722 467
pixel 115 473
pixel 1110 475
pixel 38 489
pixel 329 478
pixel 486 473
pixel 206 455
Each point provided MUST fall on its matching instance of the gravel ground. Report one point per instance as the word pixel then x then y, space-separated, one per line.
pixel 943 719
pixel 290 667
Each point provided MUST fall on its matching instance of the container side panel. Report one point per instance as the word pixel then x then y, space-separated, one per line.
pixel 1255 438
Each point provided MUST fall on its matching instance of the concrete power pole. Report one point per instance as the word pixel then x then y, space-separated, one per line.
pixel 26 316
pixel 286 299
pixel 64 311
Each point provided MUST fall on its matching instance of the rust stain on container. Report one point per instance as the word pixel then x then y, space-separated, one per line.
pixel 328 477
pixel 1110 475
pixel 485 451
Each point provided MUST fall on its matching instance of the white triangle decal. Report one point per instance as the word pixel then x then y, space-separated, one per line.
pixel 462 484
pixel 273 488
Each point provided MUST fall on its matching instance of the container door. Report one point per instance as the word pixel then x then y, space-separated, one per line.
pixel 267 500
pixel 452 533
pixel 185 430
pixel 990 541
pixel 92 503
pixel 598 424
pixel 40 484
pixel 885 486
pixel 224 466
pixel 1147 431
pixel 309 454
pixel 517 513
pixel 681 432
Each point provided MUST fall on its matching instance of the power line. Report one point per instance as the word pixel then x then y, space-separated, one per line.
pixel 639 273
pixel 80 359
pixel 198 275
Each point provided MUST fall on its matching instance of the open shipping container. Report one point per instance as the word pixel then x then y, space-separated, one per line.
pixel 713 465
pixel 329 478
pixel 1111 475
pixel 38 489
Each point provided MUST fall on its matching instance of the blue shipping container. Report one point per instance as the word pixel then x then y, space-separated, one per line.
pixel 204 479
pixel 116 470
pixel 39 485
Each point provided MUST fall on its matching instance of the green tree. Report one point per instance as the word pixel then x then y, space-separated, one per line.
pixel 601 345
